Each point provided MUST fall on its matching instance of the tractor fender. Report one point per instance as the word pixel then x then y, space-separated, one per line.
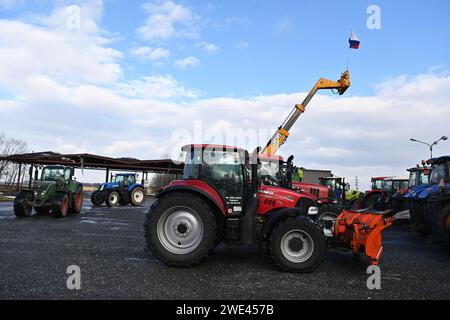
pixel 207 193
pixel 133 186
pixel 277 216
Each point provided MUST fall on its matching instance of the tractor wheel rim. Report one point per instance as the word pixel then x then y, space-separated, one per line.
pixel 293 252
pixel 138 196
pixel 180 230
pixel 79 199
pixel 64 207
pixel 114 198
pixel 327 216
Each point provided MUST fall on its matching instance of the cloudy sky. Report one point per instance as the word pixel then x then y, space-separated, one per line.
pixel 133 78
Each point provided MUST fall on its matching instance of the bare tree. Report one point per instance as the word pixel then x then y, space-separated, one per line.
pixel 9 172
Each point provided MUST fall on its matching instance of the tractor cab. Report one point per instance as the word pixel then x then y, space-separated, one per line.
pixel 378 183
pixel 395 184
pixel 418 176
pixel 440 171
pixel 57 174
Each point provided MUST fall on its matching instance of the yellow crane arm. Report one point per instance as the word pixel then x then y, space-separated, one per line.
pixel 280 137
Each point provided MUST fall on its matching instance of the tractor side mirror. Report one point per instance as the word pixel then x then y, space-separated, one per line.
pixel 72 172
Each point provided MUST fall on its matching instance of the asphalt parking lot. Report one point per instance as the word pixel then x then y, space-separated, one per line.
pixel 108 246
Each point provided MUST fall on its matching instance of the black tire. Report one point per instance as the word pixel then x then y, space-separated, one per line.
pixel 303 227
pixel 77 201
pixel 124 198
pixel 439 219
pixel 137 197
pixel 370 201
pixel 112 198
pixel 97 198
pixel 22 206
pixel 155 221
pixel 43 211
pixel 328 210
pixel 60 205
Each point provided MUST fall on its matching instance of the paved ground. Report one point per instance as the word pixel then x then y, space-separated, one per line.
pixel 108 245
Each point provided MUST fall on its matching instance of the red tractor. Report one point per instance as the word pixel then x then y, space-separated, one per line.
pixel 221 198
pixel 382 188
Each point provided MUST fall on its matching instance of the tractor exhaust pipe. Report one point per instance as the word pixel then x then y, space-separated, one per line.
pixel 248 221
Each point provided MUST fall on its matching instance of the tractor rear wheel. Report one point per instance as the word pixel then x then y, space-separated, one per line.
pixel 22 206
pixel 97 198
pixel 440 223
pixel 77 201
pixel 137 197
pixel 60 206
pixel 112 198
pixel 181 230
pixel 297 245
pixel 370 201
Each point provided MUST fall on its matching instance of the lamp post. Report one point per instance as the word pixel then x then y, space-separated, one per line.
pixel 431 145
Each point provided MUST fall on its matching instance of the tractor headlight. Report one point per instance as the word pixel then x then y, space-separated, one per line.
pixel 313 211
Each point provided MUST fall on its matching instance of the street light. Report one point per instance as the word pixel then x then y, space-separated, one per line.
pixel 431 145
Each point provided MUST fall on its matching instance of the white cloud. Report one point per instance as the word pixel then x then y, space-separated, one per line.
pixel 158 87
pixel 284 26
pixel 242 45
pixel 150 54
pixel 207 47
pixel 187 62
pixel 167 20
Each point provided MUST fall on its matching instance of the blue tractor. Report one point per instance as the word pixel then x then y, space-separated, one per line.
pixel 123 190
pixel 429 204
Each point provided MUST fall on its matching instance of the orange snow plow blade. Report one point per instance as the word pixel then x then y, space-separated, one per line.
pixel 361 231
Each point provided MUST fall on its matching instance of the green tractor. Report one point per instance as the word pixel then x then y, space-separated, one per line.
pixel 56 193
pixel 347 197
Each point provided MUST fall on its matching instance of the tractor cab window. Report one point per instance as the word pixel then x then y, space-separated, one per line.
pixel 424 178
pixel 377 184
pixel 438 173
pixel 119 179
pixel 130 180
pixel 55 174
pixel 388 186
pixel 223 170
pixel 270 173
pixel 403 185
pixel 413 179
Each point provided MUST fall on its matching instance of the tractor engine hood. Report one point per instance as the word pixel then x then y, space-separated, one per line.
pixel 42 189
pixel 110 185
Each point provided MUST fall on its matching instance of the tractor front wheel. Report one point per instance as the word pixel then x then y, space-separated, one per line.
pixel 112 198
pixel 137 197
pixel 60 206
pixel 297 245
pixel 97 198
pixel 22 206
pixel 181 230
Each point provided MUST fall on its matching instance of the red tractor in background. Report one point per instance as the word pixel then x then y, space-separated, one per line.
pixel 221 198
pixel 382 188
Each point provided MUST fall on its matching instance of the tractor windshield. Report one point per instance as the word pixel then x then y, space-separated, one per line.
pixel 270 173
pixel 127 180
pixel 55 174
pixel 378 184
pixel 439 172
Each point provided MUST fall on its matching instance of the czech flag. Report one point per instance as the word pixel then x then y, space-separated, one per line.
pixel 354 41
